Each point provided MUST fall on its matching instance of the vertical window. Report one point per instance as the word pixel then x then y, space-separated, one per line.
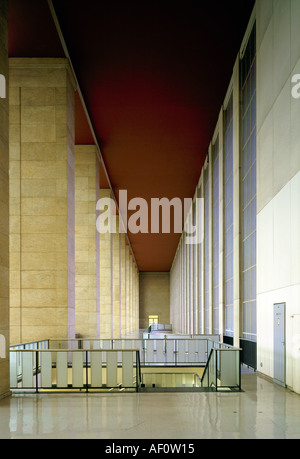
pixel 194 249
pixel 206 251
pixel 228 217
pixel 215 253
pixel 200 224
pixel 248 160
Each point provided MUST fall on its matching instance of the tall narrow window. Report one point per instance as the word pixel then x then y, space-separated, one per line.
pixel 215 203
pixel 206 251
pixel 195 275
pixel 248 159
pixel 228 217
pixel 200 224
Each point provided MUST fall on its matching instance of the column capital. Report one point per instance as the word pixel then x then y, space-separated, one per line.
pixel 33 63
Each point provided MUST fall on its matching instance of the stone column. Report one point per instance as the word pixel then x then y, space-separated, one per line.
pixel 116 281
pixel 127 310
pixel 86 241
pixel 106 323
pixel 4 208
pixel 42 204
pixel 136 293
pixel 123 283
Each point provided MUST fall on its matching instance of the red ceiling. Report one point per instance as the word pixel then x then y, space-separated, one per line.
pixel 153 76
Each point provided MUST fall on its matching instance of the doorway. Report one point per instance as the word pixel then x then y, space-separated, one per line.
pixel 152 319
pixel 279 344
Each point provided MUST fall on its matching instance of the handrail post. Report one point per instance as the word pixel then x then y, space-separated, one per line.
pixel 86 372
pixel 217 359
pixel 36 370
pixel 240 377
pixel 138 371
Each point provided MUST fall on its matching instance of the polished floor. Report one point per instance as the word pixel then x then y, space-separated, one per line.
pixel 262 410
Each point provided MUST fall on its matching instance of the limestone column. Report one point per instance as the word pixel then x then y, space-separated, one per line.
pixel 201 261
pixel 4 208
pixel 116 281
pixel 123 283
pixel 87 281
pixel 42 204
pixel 134 299
pixel 127 313
pixel 106 319
pixel 137 319
pixel 131 292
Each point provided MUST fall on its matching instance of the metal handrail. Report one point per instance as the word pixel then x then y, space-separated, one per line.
pixel 216 350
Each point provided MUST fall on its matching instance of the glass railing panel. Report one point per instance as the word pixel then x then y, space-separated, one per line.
pixel 28 365
pixel 229 373
pixel 62 369
pixel 170 352
pixel 46 369
pixel 96 369
pixel 127 369
pixel 77 366
pixel 111 369
pixel 209 378
pixel 14 368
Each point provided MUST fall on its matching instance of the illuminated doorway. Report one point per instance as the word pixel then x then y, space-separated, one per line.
pixel 153 319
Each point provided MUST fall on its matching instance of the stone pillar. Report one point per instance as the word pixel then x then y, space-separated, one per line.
pixel 123 283
pixel 4 208
pixel 127 306
pixel 106 323
pixel 137 316
pixel 42 204
pixel 86 241
pixel 116 282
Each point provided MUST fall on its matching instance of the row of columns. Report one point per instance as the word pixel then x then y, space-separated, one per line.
pixel 65 277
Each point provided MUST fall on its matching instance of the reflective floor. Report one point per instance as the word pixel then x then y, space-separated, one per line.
pixel 262 410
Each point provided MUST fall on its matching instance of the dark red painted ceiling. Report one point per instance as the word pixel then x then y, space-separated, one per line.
pixel 153 76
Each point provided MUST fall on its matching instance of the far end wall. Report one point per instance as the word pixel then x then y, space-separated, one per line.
pixel 154 297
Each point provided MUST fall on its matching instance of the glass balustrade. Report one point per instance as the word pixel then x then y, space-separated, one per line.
pixel 42 370
pixel 223 368
pixel 120 364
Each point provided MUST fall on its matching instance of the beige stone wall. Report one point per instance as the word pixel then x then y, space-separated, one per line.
pixel 154 297
pixel 4 212
pixel 42 261
pixel 86 241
